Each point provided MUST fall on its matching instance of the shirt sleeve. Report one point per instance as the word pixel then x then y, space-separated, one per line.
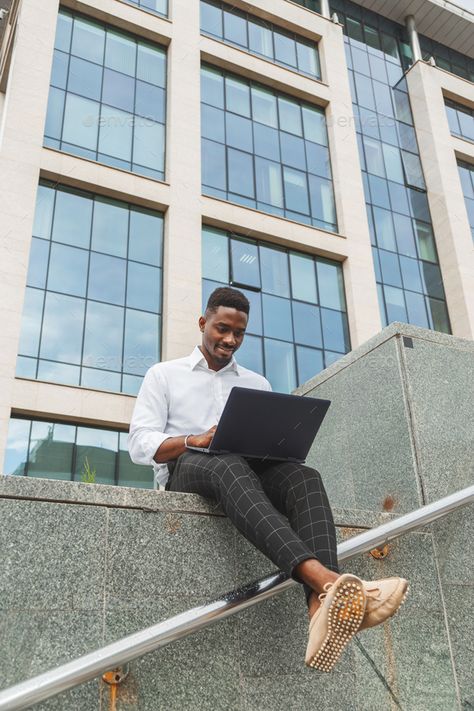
pixel 149 418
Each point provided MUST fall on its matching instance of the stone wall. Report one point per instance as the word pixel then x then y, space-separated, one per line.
pixel 82 565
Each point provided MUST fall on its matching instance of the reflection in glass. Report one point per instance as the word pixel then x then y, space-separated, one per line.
pixel 72 218
pixel 274 269
pixel 250 355
pixel 17 447
pixel 141 342
pixel 62 315
pixel 245 262
pixel 103 336
pixel 310 363
pixel 277 317
pixel 280 365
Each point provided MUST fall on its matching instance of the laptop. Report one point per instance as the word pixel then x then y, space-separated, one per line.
pixel 258 424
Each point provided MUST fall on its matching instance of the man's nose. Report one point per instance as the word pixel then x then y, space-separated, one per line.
pixel 230 339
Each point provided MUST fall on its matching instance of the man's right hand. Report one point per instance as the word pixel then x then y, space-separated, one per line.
pixel 173 447
pixel 202 440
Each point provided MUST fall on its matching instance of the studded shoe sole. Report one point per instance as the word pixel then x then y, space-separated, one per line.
pixel 344 607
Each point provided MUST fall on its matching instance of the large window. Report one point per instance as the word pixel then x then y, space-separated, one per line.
pixel 466 173
pixel 158 7
pixel 93 300
pixel 259 37
pixel 107 100
pixel 298 322
pixel 265 149
pixel 447 58
pixel 408 276
pixel 314 5
pixel 461 119
pixel 54 450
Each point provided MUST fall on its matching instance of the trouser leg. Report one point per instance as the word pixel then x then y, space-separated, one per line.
pixel 298 493
pixel 230 480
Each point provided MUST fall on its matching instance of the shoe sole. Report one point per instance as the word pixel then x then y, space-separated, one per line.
pixel 345 616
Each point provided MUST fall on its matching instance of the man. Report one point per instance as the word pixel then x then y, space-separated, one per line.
pixel 281 507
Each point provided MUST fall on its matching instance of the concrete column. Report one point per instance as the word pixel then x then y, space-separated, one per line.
pixel 182 261
pixel 413 38
pixel 359 276
pixel 325 11
pixel 21 139
pixel 445 196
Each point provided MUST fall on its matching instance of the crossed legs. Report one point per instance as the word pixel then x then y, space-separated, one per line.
pixel 280 507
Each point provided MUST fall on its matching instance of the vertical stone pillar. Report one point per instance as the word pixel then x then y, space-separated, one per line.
pixel 182 262
pixel 413 38
pixel 359 275
pixel 445 196
pixel 21 140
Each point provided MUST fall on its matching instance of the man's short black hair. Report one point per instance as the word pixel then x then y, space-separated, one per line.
pixel 226 296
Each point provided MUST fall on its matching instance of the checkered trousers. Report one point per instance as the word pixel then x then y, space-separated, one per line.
pixel 280 507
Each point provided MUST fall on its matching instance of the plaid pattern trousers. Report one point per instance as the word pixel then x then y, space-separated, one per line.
pixel 280 507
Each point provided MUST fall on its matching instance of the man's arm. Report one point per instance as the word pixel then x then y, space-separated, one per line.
pixel 173 447
pixel 147 441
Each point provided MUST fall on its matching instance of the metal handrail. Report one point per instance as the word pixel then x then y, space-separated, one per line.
pixel 90 665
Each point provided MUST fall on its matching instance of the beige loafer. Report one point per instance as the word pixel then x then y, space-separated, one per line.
pixel 384 598
pixel 335 622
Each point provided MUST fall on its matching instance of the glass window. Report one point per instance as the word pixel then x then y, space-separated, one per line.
pixel 62 314
pixel 213 164
pixel 212 87
pixel 54 450
pixel 264 106
pixel 296 190
pixel 211 19
pixel 38 266
pixel 287 297
pixel 68 270
pixel 237 96
pixel 235 27
pixel 274 269
pixel 307 324
pixel 240 167
pixel 141 341
pixel 335 330
pixel 31 322
pixel 303 277
pixel 269 182
pixel 259 37
pixel 285 49
pixel 85 78
pixel 310 363
pixel 110 79
pixel 239 132
pixel 331 286
pixel 245 262
pixel 215 255
pixel 280 365
pixel 83 287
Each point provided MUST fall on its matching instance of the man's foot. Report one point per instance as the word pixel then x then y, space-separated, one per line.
pixel 384 598
pixel 335 622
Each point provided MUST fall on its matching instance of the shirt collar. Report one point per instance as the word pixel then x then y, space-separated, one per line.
pixel 197 358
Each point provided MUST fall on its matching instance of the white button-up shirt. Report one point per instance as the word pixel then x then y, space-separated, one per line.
pixel 181 397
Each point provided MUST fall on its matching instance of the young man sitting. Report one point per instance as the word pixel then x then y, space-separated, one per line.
pixel 281 507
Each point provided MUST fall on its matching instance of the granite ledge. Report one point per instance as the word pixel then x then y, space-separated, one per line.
pixel 73 492
pixel 393 330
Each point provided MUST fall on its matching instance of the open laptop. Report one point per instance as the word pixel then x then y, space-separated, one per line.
pixel 265 425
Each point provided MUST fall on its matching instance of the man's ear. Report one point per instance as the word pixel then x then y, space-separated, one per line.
pixel 202 323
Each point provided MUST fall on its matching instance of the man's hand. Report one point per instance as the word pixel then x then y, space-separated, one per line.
pixel 202 440
pixel 173 447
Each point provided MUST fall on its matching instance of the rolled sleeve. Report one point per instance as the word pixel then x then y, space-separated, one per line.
pixel 149 419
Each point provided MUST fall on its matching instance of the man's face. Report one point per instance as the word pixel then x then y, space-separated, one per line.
pixel 222 334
